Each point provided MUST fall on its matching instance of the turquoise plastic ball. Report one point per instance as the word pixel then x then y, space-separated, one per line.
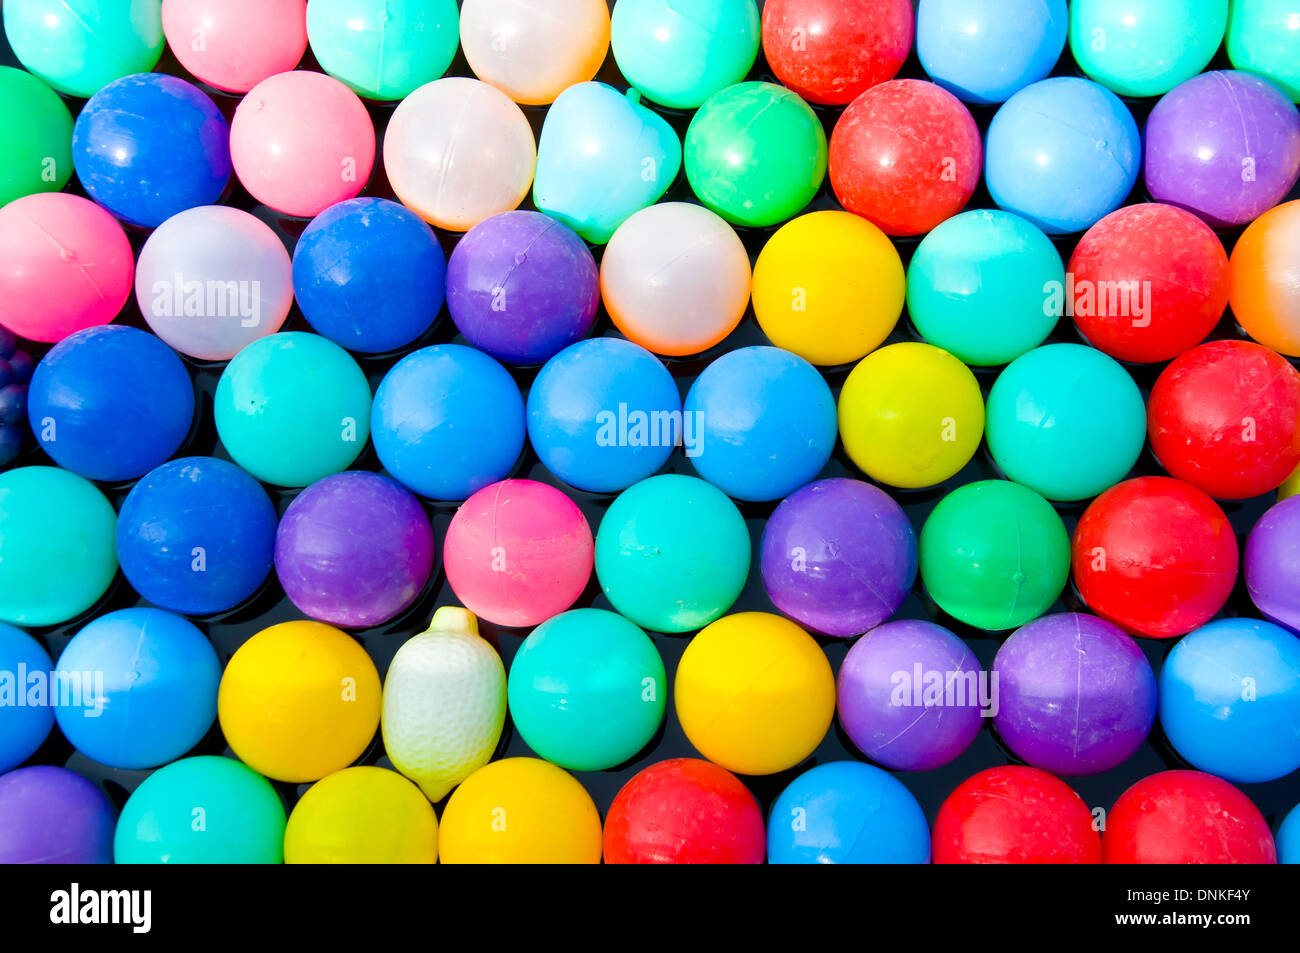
pixel 1264 38
pixel 384 49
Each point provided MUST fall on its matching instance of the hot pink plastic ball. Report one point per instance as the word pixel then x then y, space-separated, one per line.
pixel 235 44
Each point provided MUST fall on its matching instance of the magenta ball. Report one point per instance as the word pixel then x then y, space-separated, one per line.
pixel 51 815
pixel 354 549
pixel 1273 563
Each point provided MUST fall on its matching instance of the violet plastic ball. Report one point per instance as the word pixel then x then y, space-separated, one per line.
pixel 51 815
pixel 1272 563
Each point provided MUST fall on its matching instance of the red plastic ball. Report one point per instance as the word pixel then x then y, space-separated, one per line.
pixel 830 51
pixel 1186 817
pixel 1148 282
pixel 905 156
pixel 1015 815
pixel 1225 416
pixel 684 811
pixel 1155 556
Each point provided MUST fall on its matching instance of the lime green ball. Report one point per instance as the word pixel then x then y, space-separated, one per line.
pixel 384 49
pixel 1264 38
pixel 1145 47
pixel 35 137
pixel 755 154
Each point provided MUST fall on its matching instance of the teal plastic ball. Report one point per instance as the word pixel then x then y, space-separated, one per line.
pixel 1264 38
pixel 384 49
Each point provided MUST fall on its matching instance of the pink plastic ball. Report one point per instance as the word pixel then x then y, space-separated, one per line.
pixel 235 44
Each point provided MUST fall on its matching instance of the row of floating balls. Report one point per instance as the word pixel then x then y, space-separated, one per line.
pixel 294 410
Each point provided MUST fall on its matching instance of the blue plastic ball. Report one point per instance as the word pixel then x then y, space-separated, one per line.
pixel 1288 838
pixel 25 713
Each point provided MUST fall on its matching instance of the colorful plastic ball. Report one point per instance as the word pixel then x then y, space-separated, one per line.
pixel 675 278
pixel 605 413
pixel 831 51
pixel 1264 294
pixel 1155 556
pixel 1272 563
pixel 520 811
pixel 457 150
pixel 35 137
pixel 983 53
pixel 911 415
pixel 1186 817
pixel 196 536
pixel 354 549
pixel 533 51
pixel 298 701
pixel 447 421
pixel 518 552
pixel 25 713
pixel 148 683
pixel 846 812
pixel 204 810
pixel 213 279
pixel 1225 416
pixel 51 815
pixel 684 811
pixel 905 155
pixel 587 690
pixel 1225 145
pixel 1290 486
pixel 362 815
pixel 369 275
pixel 1264 38
pixel 1288 839
pixel 755 153
pixel 79 46
pixel 56 545
pixel 110 403
pixel 672 553
pixel 292 408
pixel 1075 694
pixel 522 286
pixel 380 49
pixel 67 266
pixel 979 286
pixel 1014 814
pixel 680 53
pixel 149 146
pixel 1063 153
pixel 235 44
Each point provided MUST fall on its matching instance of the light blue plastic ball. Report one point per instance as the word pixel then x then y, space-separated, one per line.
pixel 1288 838
pixel 25 713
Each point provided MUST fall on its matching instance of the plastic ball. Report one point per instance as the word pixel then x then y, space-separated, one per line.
pixel 298 701
pixel 354 549
pixel 457 150
pixel 675 278
pixel 587 690
pixel 682 52
pixel 292 408
pixel 380 49
pixel 898 668
pixel 518 552
pixel 684 811
pixel 1264 294
pixel 1225 416
pixel 979 287
pixel 92 383
pixel 846 812
pixel 672 553
pixel 520 811
pixel 369 275
pixel 235 44
pixel 1063 153
pixel 25 715
pixel 243 817
pixel 362 815
pixel 196 536
pixel 984 54
pixel 211 280
pixel 1015 815
pixel 1272 563
pixel 911 415
pixel 1186 817
pixel 831 51
pixel 1290 486
pixel 1155 556
pixel 35 137
pixel 67 266
pixel 1263 38
pixel 431 425
pixel 51 815
pixel 1288 839
pixel 1225 145
pixel 56 545
pixel 755 153
pixel 522 286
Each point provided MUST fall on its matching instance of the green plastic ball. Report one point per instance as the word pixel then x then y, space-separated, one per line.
pixel 35 137
pixel 384 49
pixel 1264 38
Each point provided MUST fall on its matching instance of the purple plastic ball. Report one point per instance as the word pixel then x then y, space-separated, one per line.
pixel 1272 563
pixel 1225 145
pixel 838 556
pixel 13 404
pixel 354 549
pixel 51 815
pixel 522 286
pixel 1075 694
pixel 910 695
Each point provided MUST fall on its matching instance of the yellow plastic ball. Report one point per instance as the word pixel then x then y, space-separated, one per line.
pixel 1290 486
pixel 298 701
pixel 520 811
pixel 828 286
pixel 911 415
pixel 362 815
pixel 755 693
